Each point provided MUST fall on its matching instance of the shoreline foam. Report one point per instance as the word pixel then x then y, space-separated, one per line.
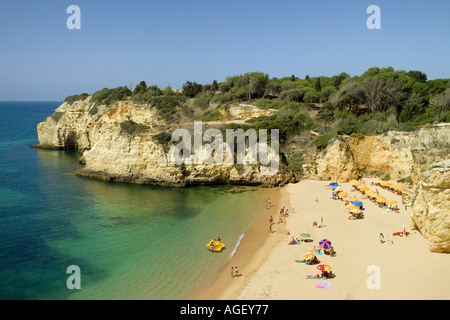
pixel 253 245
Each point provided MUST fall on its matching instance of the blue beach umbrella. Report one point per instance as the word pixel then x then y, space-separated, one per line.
pixel 325 243
pixel 357 203
pixel 334 184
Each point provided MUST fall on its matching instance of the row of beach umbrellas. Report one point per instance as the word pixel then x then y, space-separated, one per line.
pixel 373 195
pixel 393 187
pixel 353 203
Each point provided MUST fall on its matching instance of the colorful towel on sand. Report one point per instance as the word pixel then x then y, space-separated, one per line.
pixel 326 284
pixel 319 286
pixel 312 277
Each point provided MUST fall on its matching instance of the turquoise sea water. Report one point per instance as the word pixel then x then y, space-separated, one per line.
pixel 130 242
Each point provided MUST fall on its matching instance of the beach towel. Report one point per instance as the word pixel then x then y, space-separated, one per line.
pixel 319 286
pixel 312 277
pixel 326 284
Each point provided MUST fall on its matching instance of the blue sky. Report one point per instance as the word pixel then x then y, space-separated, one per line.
pixel 173 41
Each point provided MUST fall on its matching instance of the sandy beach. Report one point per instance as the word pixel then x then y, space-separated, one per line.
pixel 364 268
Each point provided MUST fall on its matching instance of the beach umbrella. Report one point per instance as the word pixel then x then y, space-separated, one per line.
pixel 363 188
pixel 334 184
pixel 371 194
pixel 338 189
pixel 355 210
pixel 324 267
pixel 309 255
pixel 400 188
pixel 357 203
pixel 391 202
pixel 325 243
pixel 350 199
pixel 351 206
pixel 342 194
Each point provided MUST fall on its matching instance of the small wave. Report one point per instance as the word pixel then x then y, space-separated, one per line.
pixel 237 245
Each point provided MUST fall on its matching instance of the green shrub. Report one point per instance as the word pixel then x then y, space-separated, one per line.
pixel 290 120
pixel 408 180
pixel 166 105
pixel 224 97
pixel 110 96
pixel 132 128
pixel 79 97
pixel 322 141
pixel 407 127
pixel 295 162
pixel 57 115
pixel 202 101
pixel 163 137
pixel 93 110
pixel 211 115
pixel 348 125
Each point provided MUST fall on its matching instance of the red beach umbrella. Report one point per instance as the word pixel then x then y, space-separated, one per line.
pixel 324 267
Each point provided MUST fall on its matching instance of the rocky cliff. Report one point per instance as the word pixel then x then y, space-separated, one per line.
pixel 431 210
pixel 120 143
pixel 398 155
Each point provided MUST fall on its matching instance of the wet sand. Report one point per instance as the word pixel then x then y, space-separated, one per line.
pixel 254 246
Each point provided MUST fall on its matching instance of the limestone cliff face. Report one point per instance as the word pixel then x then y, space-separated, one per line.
pixel 111 154
pixel 244 112
pixel 431 210
pixel 399 154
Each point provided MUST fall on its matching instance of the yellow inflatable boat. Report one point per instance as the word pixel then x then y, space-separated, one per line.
pixel 215 246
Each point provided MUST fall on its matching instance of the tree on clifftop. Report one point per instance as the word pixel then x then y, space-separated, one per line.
pixel 191 89
pixel 140 88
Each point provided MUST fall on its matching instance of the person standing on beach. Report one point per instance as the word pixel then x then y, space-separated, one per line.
pixel 236 271
pixel 381 238
pixel 270 203
pixel 232 272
